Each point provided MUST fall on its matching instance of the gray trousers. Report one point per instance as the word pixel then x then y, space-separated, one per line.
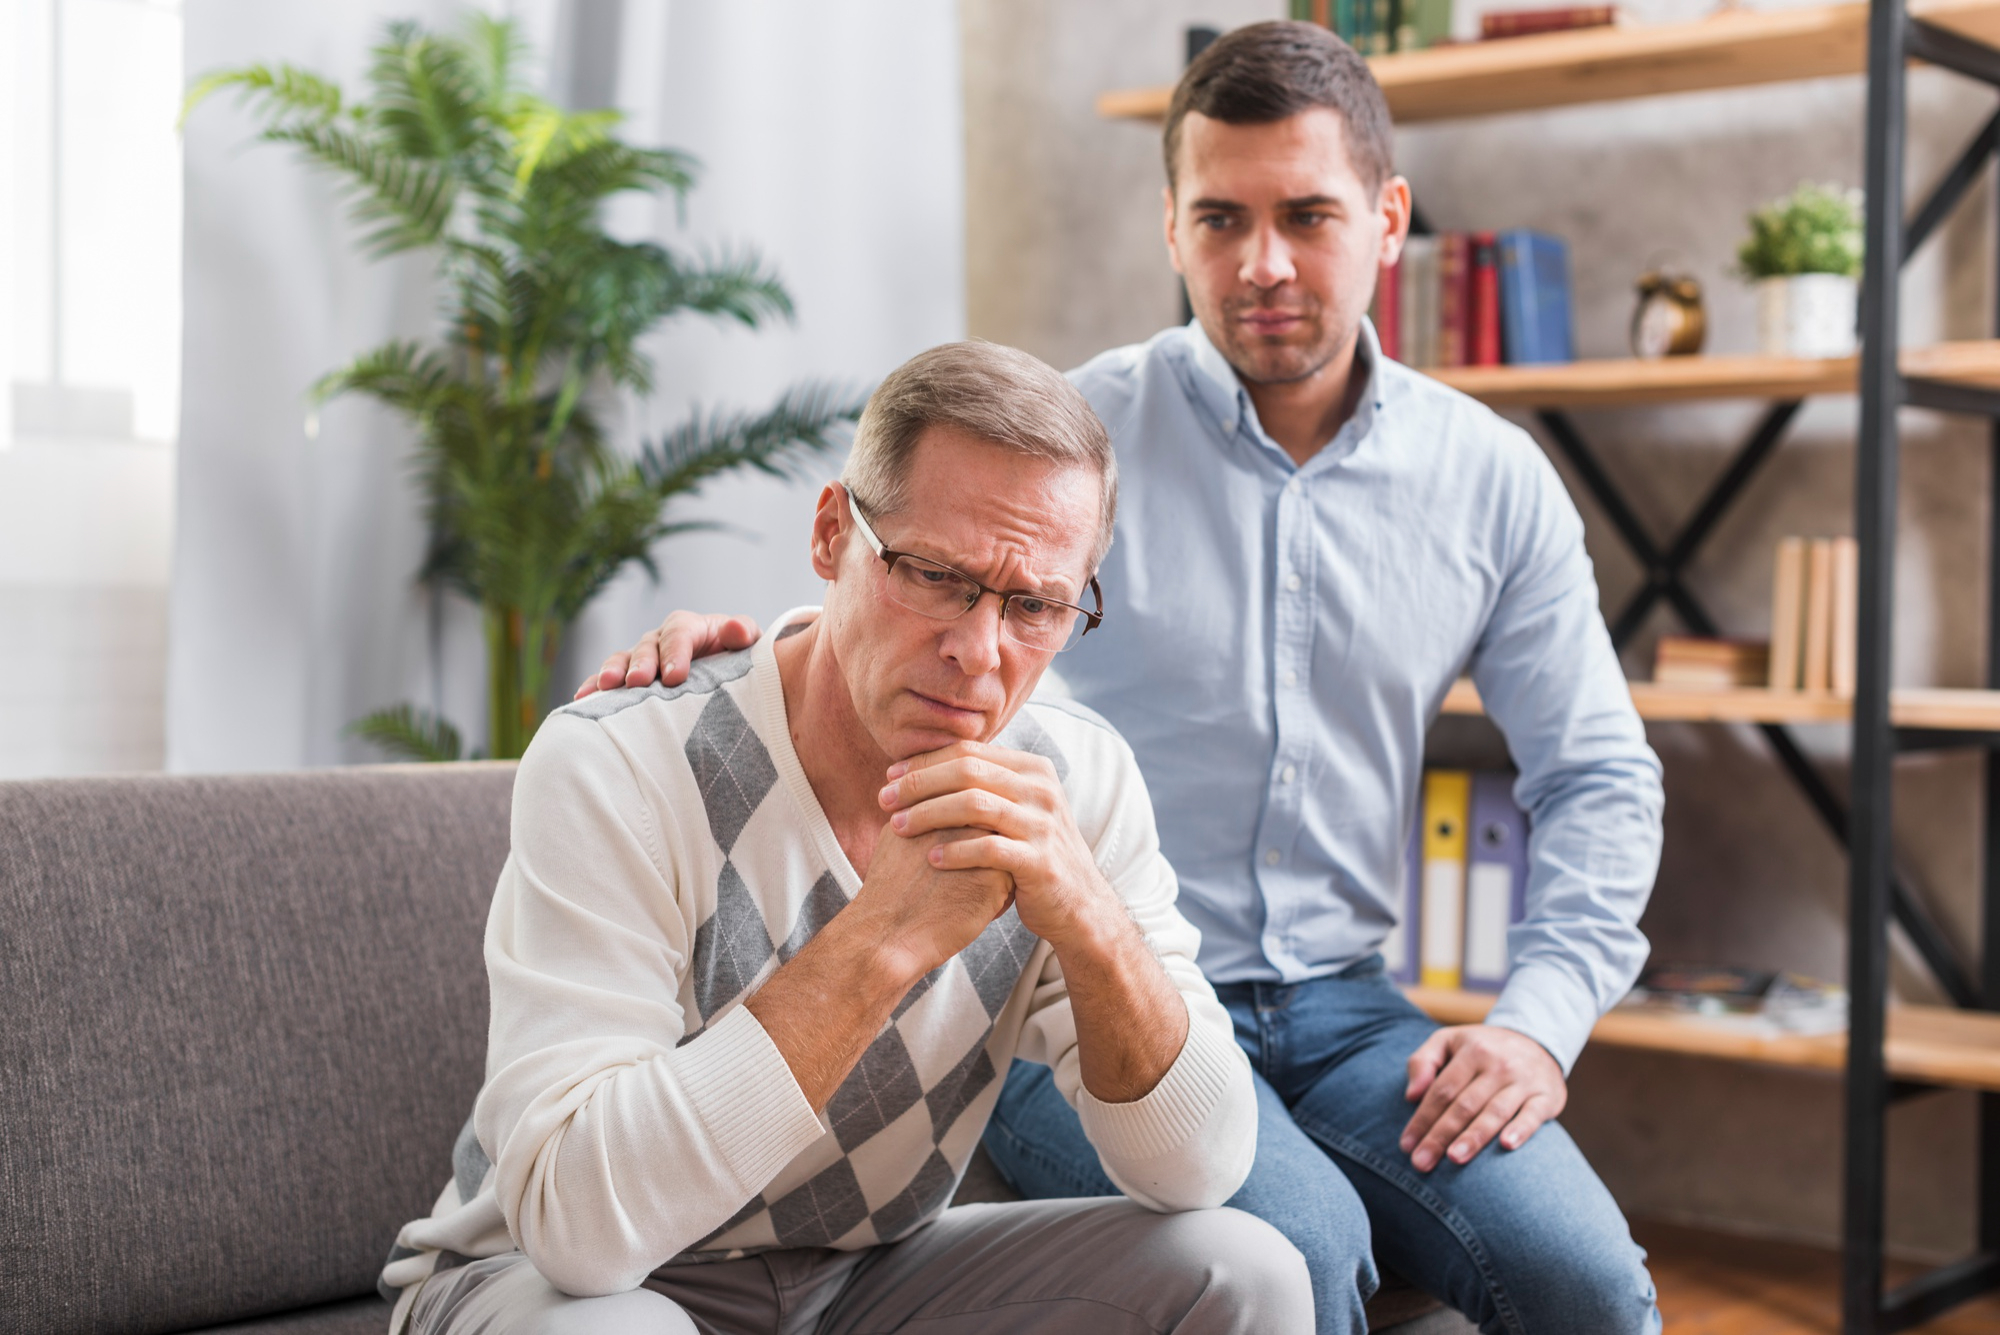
pixel 1077 1267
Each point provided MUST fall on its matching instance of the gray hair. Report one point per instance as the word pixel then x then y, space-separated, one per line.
pixel 999 394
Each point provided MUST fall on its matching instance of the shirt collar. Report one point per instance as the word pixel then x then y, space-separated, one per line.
pixel 1215 383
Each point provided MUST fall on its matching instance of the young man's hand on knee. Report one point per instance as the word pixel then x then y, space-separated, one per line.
pixel 1475 1081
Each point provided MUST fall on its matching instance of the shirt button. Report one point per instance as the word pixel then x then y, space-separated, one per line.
pixel 1290 772
pixel 1292 581
pixel 1291 679
pixel 1293 486
pixel 1272 857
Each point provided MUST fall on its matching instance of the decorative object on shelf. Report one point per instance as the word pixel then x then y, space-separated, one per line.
pixel 1669 320
pixel 1803 256
pixel 1761 1001
pixel 1496 25
pixel 1710 663
pixel 1815 603
pixel 532 511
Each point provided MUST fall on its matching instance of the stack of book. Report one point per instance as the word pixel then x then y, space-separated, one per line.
pixel 1465 883
pixel 1476 299
pixel 1705 663
pixel 1497 24
pixel 1815 601
pixel 1378 27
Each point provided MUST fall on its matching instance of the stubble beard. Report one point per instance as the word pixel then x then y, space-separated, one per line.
pixel 1266 360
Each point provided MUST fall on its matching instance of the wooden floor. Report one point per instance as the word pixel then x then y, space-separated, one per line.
pixel 1715 1285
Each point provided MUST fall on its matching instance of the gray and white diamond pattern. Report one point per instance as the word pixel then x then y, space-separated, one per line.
pixel 893 1115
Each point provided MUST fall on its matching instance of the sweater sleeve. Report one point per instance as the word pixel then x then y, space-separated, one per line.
pixel 616 1146
pixel 1188 1143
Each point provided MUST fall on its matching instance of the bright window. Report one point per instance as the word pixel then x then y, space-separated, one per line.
pixel 90 218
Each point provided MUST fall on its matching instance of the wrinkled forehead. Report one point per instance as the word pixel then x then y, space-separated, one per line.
pixel 994 511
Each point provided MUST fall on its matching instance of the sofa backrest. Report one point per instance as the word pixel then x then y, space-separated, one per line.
pixel 241 1022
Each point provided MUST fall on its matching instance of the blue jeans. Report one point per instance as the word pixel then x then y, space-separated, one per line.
pixel 1526 1241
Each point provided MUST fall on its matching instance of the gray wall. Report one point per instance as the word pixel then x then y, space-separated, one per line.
pixel 1064 258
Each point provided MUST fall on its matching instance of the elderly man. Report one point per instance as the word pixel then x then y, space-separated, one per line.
pixel 766 941
pixel 1314 543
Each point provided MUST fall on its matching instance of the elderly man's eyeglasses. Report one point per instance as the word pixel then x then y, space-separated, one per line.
pixel 935 590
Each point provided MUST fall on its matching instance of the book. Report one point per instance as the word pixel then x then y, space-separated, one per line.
pixel 1454 298
pixel 1482 324
pixel 1846 616
pixel 1399 948
pixel 1388 311
pixel 1496 880
pixel 1417 291
pixel 1536 325
pixel 1441 929
pixel 1788 603
pixel 1496 26
pixel 1700 661
pixel 1817 675
pixel 1430 21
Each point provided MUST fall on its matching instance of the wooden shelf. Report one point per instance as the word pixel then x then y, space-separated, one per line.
pixel 1682 704
pixel 1946 710
pixel 1933 1044
pixel 1630 382
pixel 1732 49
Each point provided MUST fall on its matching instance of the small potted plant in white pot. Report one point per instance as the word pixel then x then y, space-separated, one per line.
pixel 1803 256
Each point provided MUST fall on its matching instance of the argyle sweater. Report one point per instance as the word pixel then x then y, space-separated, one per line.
pixel 668 855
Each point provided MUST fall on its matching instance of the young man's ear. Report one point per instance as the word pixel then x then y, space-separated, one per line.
pixel 1395 205
pixel 1173 247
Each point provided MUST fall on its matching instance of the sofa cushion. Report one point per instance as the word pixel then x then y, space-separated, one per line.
pixel 358 1316
pixel 244 1020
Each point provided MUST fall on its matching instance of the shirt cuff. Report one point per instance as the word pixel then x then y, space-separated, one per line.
pixel 1174 1110
pixel 1550 1006
pixel 747 1097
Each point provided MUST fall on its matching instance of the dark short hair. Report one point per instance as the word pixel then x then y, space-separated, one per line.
pixel 1271 71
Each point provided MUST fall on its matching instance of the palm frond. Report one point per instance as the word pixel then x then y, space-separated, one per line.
pixel 408 733
pixel 285 89
pixel 409 200
pixel 494 50
pixel 806 421
pixel 426 94
pixel 731 284
pixel 547 134
pixel 402 374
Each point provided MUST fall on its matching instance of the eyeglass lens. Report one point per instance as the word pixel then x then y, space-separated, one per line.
pixel 942 594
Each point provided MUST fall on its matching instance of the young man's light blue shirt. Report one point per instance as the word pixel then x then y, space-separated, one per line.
pixel 1277 640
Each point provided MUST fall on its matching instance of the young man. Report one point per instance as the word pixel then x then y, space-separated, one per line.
pixel 1313 543
pixel 765 941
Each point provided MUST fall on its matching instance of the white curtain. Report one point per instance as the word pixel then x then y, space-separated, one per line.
pixel 831 141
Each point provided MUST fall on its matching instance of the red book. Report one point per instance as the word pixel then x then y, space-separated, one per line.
pixel 1387 311
pixel 1528 22
pixel 1454 297
pixel 1482 323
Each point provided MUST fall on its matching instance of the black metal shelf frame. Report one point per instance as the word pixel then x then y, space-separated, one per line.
pixel 1895 38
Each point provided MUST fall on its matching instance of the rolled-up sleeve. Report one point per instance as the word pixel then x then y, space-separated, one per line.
pixel 1590 784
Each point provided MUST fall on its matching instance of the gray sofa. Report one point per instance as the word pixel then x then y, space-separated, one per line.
pixel 244 1019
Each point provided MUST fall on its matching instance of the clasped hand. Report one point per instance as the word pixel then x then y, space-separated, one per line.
pixel 977 806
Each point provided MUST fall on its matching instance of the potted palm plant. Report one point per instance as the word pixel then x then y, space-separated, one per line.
pixel 532 511
pixel 1803 256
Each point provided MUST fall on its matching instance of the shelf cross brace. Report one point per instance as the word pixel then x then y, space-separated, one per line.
pixel 1665 581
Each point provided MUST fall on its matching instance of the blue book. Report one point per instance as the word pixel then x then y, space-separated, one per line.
pixel 1496 882
pixel 1534 299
